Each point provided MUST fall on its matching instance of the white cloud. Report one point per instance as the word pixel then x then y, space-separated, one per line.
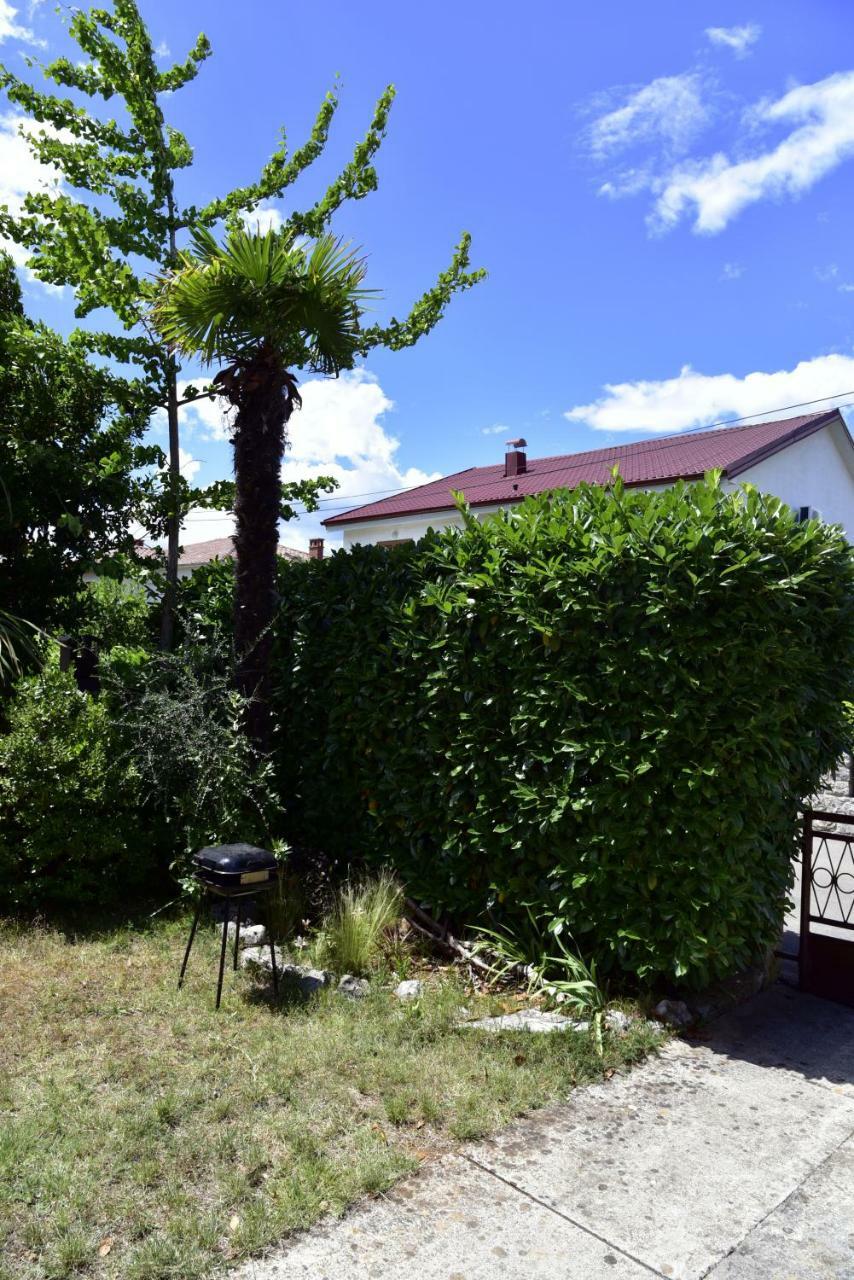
pixel 162 50
pixel 338 432
pixel 739 39
pixel 10 29
pixel 208 417
pixel 717 189
pixel 21 172
pixel 188 464
pixel 496 430
pixel 202 524
pixel 669 109
pixel 693 398
pixel 265 217
pixel 732 271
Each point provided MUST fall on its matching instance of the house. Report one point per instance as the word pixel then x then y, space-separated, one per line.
pixel 807 461
pixel 196 554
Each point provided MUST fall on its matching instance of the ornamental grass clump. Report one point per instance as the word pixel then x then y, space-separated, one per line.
pixel 354 934
pixel 605 707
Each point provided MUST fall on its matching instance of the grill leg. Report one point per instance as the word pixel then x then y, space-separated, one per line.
pixel 273 959
pixel 190 942
pixel 222 953
pixel 237 934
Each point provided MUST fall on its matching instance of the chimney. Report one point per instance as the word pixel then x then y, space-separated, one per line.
pixel 315 548
pixel 515 460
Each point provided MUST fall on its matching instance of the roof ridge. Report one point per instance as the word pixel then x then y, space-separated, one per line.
pixel 677 436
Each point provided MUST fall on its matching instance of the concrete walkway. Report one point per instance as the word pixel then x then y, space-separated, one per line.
pixel 730 1157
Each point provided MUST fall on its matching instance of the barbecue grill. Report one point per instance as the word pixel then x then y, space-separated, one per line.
pixel 232 872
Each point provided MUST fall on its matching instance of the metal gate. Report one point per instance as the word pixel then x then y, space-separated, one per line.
pixel 826 956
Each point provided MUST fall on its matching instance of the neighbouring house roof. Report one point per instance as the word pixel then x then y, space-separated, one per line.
pixel 658 461
pixel 199 553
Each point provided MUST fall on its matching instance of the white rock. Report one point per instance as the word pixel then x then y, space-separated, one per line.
pixel 616 1020
pixel 251 935
pixel 528 1020
pixel 257 957
pixel 353 988
pixel 308 980
pixel 411 989
pixel 674 1012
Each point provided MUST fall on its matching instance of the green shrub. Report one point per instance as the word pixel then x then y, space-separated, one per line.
pixel 199 778
pixel 116 612
pixel 605 708
pixel 70 833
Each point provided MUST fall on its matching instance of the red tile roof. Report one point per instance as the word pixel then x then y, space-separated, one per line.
pixel 659 461
pixel 195 553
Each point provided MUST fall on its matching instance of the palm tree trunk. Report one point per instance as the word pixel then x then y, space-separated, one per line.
pixel 264 406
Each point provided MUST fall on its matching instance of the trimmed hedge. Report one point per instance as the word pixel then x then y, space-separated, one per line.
pixel 605 707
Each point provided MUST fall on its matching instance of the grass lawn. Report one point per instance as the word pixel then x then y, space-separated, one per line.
pixel 143 1135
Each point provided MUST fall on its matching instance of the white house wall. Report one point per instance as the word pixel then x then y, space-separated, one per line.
pixel 817 472
pixel 405 528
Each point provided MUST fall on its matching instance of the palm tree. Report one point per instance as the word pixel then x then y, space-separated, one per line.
pixel 261 306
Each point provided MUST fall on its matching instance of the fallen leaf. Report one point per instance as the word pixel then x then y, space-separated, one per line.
pixel 105 1246
pixel 233 1222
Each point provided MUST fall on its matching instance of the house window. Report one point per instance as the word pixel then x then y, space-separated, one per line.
pixel 395 542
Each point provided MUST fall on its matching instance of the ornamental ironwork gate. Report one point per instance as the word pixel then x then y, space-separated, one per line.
pixel 826 956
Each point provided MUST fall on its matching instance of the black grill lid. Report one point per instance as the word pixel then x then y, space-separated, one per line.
pixel 232 863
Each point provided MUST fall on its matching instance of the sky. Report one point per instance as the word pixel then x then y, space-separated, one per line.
pixel 662 195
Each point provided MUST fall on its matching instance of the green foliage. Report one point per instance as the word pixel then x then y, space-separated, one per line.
pixel 17 645
pixel 605 707
pixel 123 225
pixel 199 779
pixel 220 496
pixel 353 935
pixel 70 833
pixel 69 462
pixel 116 611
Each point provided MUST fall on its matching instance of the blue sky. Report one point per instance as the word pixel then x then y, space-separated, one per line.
pixel 661 193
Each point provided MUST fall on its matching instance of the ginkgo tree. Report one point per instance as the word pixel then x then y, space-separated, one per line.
pixel 115 219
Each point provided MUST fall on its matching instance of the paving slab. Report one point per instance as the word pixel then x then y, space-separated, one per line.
pixel 809 1237
pixel 677 1162
pixel 453 1222
pixel 793 1032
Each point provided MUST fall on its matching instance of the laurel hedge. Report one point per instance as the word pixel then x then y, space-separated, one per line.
pixel 603 709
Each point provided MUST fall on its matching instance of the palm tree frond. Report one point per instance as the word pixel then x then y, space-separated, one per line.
pixel 222 300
